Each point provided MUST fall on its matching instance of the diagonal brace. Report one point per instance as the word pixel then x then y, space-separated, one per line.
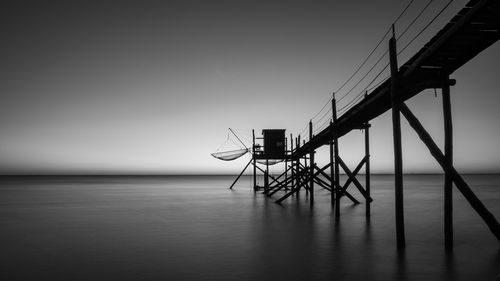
pixel 346 193
pixel 353 179
pixel 244 169
pixel 460 183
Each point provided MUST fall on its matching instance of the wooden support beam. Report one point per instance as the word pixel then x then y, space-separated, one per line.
pixel 460 183
pixel 275 179
pixel 332 176
pixel 297 145
pixel 304 172
pixel 332 156
pixel 282 185
pixel 237 178
pixel 286 162
pixel 294 190
pixel 322 183
pixel 306 186
pixel 266 177
pixel 311 167
pixel 254 162
pixel 353 179
pixel 322 172
pixel 292 163
pixel 278 183
pixel 336 164
pixel 396 129
pixel 448 183
pixel 347 194
pixel 367 170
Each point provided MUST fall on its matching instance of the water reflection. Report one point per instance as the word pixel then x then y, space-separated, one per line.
pixel 196 229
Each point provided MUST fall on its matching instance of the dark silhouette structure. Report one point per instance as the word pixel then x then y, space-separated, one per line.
pixel 472 30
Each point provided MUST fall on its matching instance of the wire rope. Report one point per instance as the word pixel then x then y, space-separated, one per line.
pixel 363 91
pixel 415 19
pixel 369 71
pixel 426 26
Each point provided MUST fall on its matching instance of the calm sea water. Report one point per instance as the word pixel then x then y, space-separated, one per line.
pixel 194 228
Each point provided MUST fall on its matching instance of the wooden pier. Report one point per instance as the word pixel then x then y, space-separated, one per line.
pixel 472 30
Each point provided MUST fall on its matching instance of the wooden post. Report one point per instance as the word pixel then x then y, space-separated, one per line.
pixel 398 158
pixel 266 177
pixel 311 166
pixel 332 169
pixel 336 157
pixel 448 184
pixel 297 163
pixel 367 169
pixel 332 175
pixel 254 162
pixel 292 163
pixel 367 166
pixel 305 183
pixel 286 163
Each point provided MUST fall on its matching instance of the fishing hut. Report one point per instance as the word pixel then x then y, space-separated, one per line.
pixel 271 152
pixel 268 150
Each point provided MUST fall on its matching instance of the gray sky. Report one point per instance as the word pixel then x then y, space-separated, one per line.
pixel 151 87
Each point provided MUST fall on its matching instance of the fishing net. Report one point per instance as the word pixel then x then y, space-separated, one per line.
pixel 230 155
pixel 233 154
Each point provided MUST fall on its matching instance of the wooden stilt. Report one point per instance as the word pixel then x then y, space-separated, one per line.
pixel 367 170
pixel 266 178
pixel 398 159
pixel 460 183
pixel 311 167
pixel 336 164
pixel 286 162
pixel 448 184
pixel 332 167
pixel 297 165
pixel 292 163
pixel 306 185
pixel 332 176
pixel 254 162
